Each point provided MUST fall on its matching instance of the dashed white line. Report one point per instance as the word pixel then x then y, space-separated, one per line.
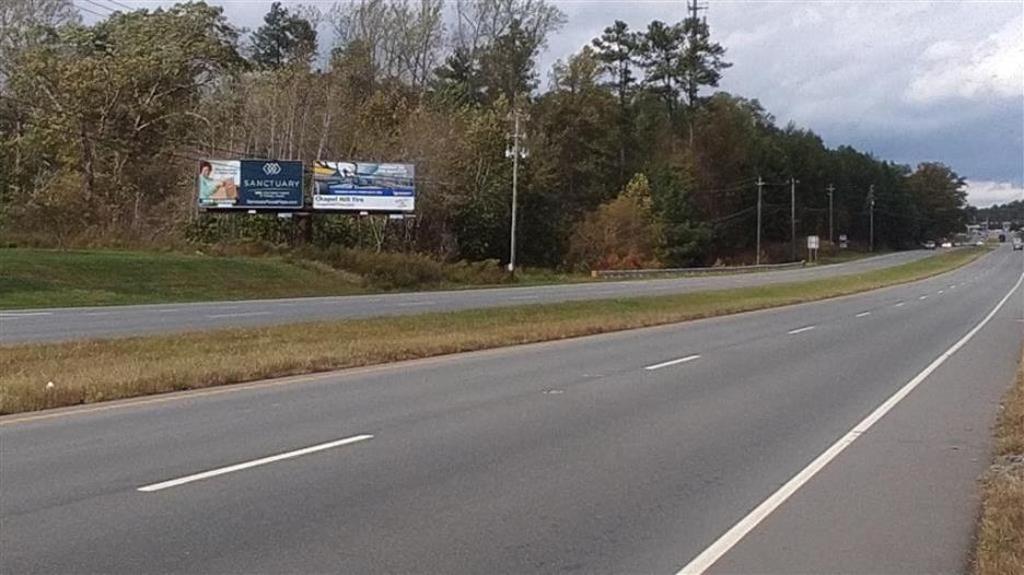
pixel 734 535
pixel 923 297
pixel 254 463
pixel 864 314
pixel 942 292
pixel 800 330
pixel 240 314
pixel 672 362
pixel 899 304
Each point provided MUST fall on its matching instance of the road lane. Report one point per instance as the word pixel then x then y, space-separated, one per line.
pixel 72 323
pixel 475 465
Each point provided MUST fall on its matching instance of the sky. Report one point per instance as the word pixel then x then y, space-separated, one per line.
pixel 908 81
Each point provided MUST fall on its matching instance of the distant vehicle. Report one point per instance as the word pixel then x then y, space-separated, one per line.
pixel 929 245
pixel 1002 238
pixel 1018 244
pixel 979 243
pixel 947 244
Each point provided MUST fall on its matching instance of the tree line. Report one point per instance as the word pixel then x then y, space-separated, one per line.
pixel 635 159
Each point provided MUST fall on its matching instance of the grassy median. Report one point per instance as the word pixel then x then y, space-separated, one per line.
pixel 1000 547
pixel 98 370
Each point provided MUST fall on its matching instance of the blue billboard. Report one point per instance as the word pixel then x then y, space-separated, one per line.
pixel 364 187
pixel 250 184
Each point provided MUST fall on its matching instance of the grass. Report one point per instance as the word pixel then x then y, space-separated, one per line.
pixel 1000 545
pixel 34 278
pixel 50 278
pixel 97 370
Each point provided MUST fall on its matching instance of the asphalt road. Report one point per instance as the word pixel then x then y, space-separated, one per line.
pixel 72 323
pixel 630 452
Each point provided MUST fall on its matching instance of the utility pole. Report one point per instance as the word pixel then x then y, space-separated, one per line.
pixel 871 201
pixel 792 216
pixel 760 185
pixel 831 236
pixel 515 152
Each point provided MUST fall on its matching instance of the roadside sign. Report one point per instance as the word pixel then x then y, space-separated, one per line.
pixel 813 242
pixel 842 241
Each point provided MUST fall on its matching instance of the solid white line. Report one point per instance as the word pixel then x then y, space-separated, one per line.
pixel 672 362
pixel 900 304
pixel 30 314
pixel 800 330
pixel 523 297
pixel 254 463
pixel 412 303
pixel 93 313
pixel 239 314
pixel 864 314
pixel 730 538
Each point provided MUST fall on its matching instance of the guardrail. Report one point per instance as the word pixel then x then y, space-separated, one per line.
pixel 693 271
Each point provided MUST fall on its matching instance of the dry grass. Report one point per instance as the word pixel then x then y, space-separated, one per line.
pixel 98 370
pixel 1000 547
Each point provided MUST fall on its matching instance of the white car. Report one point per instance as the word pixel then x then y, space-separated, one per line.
pixel 1018 244
pixel 947 245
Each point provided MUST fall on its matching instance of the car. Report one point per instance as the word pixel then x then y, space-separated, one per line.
pixel 929 245
pixel 980 243
pixel 947 245
pixel 1018 244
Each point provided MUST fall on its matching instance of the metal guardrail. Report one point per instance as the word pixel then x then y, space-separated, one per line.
pixel 693 271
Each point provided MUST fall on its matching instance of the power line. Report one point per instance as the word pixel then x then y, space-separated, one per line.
pixel 101 6
pixel 125 6
pixel 93 12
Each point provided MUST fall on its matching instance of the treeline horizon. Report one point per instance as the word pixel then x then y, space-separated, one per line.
pixel 634 158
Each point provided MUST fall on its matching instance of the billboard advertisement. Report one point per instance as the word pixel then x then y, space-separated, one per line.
pixel 364 187
pixel 250 184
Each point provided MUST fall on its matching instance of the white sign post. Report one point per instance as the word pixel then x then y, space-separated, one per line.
pixel 813 243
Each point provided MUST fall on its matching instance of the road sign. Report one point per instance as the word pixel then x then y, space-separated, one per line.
pixel 813 242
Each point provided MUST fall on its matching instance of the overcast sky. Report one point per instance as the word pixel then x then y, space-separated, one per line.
pixel 905 80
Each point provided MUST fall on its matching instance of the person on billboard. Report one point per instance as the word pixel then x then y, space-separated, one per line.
pixel 212 189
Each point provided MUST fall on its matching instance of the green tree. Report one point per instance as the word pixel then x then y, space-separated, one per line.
pixel 939 193
pixel 623 233
pixel 112 103
pixel 701 65
pixel 617 50
pixel 283 39
pixel 660 55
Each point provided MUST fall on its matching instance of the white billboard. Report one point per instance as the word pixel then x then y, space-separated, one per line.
pixel 364 187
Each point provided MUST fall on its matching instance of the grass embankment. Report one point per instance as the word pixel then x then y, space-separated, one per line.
pixel 98 370
pixel 34 278
pixel 50 278
pixel 1000 547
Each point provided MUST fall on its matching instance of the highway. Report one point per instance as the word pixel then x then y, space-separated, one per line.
pixel 646 451
pixel 38 325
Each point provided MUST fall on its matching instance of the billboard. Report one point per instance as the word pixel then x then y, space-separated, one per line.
pixel 250 184
pixel 364 187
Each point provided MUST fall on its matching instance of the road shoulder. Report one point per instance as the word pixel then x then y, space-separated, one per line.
pixel 904 497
